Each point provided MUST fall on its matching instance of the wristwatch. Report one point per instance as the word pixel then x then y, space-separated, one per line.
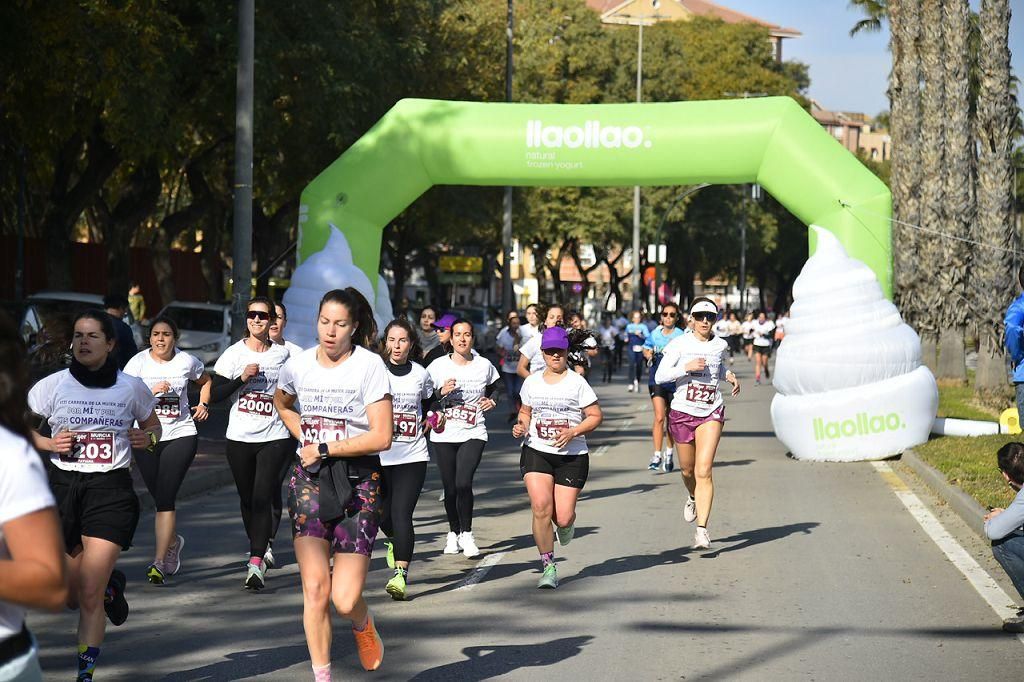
pixel 206 405
pixel 324 453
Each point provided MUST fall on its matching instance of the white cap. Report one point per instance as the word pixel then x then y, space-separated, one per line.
pixel 704 307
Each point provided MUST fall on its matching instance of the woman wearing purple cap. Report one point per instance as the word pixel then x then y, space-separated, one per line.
pixel 559 408
pixel 444 339
pixel 697 363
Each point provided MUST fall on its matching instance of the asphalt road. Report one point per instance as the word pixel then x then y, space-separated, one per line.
pixel 817 571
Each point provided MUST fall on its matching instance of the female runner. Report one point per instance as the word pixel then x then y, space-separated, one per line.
pixel 661 394
pixel 91 409
pixel 697 362
pixel 468 383
pixel 167 372
pixel 559 409
pixel 532 359
pixel 404 466
pixel 258 443
pixel 636 335
pixel 334 498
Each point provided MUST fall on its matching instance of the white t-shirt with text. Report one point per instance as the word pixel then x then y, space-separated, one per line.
pixel 408 440
pixel 172 407
pixel 763 332
pixel 463 418
pixel 253 417
pixel 554 407
pixel 531 349
pixel 697 393
pixel 98 417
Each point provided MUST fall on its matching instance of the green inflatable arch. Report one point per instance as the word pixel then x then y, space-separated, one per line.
pixel 771 141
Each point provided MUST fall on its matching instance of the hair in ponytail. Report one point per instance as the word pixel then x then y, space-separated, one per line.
pixel 360 312
pixel 14 379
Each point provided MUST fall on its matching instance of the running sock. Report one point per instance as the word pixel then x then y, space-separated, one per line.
pixel 704 527
pixel 87 657
pixel 547 558
pixel 322 673
pixel 256 561
pixel 404 572
pixel 366 621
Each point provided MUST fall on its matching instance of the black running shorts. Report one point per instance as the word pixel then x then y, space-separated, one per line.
pixel 95 505
pixel 568 470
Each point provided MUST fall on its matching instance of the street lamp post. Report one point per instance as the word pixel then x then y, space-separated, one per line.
pixel 661 224
pixel 506 229
pixel 640 21
pixel 242 229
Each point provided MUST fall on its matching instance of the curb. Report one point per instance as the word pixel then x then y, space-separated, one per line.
pixel 965 506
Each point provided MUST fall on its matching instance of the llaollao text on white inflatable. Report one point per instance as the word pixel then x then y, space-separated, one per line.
pixel 331 268
pixel 848 375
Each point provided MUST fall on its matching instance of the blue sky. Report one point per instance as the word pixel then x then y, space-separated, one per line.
pixel 849 74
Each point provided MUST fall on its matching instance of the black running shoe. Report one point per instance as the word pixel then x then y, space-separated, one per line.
pixel 115 604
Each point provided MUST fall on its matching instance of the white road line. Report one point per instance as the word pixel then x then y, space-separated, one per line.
pixel 989 589
pixel 601 451
pixel 482 569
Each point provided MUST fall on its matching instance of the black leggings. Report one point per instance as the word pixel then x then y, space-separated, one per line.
pixel 278 505
pixel 457 463
pixel 256 468
pixel 403 484
pixel 165 467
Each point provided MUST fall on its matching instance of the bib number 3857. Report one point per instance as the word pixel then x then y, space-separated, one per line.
pixel 92 447
pixel 317 429
pixel 461 413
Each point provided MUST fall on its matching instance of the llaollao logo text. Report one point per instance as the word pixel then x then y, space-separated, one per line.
pixel 861 424
pixel 590 135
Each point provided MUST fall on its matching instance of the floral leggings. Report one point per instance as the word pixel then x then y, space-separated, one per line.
pixel 355 531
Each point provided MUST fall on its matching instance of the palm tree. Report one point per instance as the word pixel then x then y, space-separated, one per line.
pixel 958 204
pixel 875 11
pixel 905 129
pixel 993 277
pixel 933 120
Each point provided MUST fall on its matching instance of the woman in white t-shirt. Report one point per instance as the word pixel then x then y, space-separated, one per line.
pixel 343 422
pixel 277 329
pixel 469 385
pixel 532 359
pixel 748 336
pixel 559 408
pixel 257 442
pixel 697 363
pixel 404 466
pixel 31 551
pixel 764 332
pixel 91 409
pixel 509 341
pixel 167 371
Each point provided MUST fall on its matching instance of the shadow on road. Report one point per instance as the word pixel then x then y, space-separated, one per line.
pixel 757 536
pixel 245 664
pixel 486 662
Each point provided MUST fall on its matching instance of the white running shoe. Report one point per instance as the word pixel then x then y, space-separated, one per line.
pixel 451 543
pixel 701 539
pixel 690 510
pixel 469 548
pixel 268 558
pixel 636 386
pixel 630 388
pixel 667 464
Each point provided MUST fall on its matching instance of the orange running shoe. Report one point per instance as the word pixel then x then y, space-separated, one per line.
pixel 371 648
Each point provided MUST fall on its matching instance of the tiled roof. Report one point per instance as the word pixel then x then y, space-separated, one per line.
pixel 704 8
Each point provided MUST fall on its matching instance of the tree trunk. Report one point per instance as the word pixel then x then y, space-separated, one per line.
pixel 991 376
pixel 931 249
pixel 905 179
pixel 929 355
pixel 138 197
pixel 993 261
pixel 958 202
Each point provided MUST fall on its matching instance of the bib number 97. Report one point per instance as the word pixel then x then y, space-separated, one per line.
pixel 406 426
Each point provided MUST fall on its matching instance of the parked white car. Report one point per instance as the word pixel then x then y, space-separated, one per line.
pixel 40 306
pixel 205 328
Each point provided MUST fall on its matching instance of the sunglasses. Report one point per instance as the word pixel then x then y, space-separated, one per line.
pixel 257 315
pixel 705 317
pixel 670 314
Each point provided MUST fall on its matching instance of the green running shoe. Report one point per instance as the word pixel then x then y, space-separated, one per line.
pixel 396 586
pixel 565 534
pixel 391 553
pixel 155 573
pixel 549 580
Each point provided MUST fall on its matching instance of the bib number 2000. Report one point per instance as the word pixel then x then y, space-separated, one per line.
pixel 259 404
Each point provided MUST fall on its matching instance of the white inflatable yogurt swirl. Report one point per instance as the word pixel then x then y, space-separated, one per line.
pixel 331 268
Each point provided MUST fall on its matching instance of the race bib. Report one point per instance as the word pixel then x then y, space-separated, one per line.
pixel 91 447
pixel 317 429
pixel 548 429
pixel 461 413
pixel 406 427
pixel 259 404
pixel 168 407
pixel 703 394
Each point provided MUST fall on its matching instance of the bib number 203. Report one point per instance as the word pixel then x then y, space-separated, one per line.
pixel 92 447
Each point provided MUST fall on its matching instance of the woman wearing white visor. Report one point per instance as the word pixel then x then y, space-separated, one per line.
pixel 697 363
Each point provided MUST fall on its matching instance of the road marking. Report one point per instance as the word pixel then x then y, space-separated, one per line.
pixel 482 569
pixel 989 589
pixel 601 451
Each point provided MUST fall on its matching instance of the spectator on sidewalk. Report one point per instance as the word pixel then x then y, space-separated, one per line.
pixel 1015 341
pixel 116 305
pixel 136 303
pixel 1003 527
